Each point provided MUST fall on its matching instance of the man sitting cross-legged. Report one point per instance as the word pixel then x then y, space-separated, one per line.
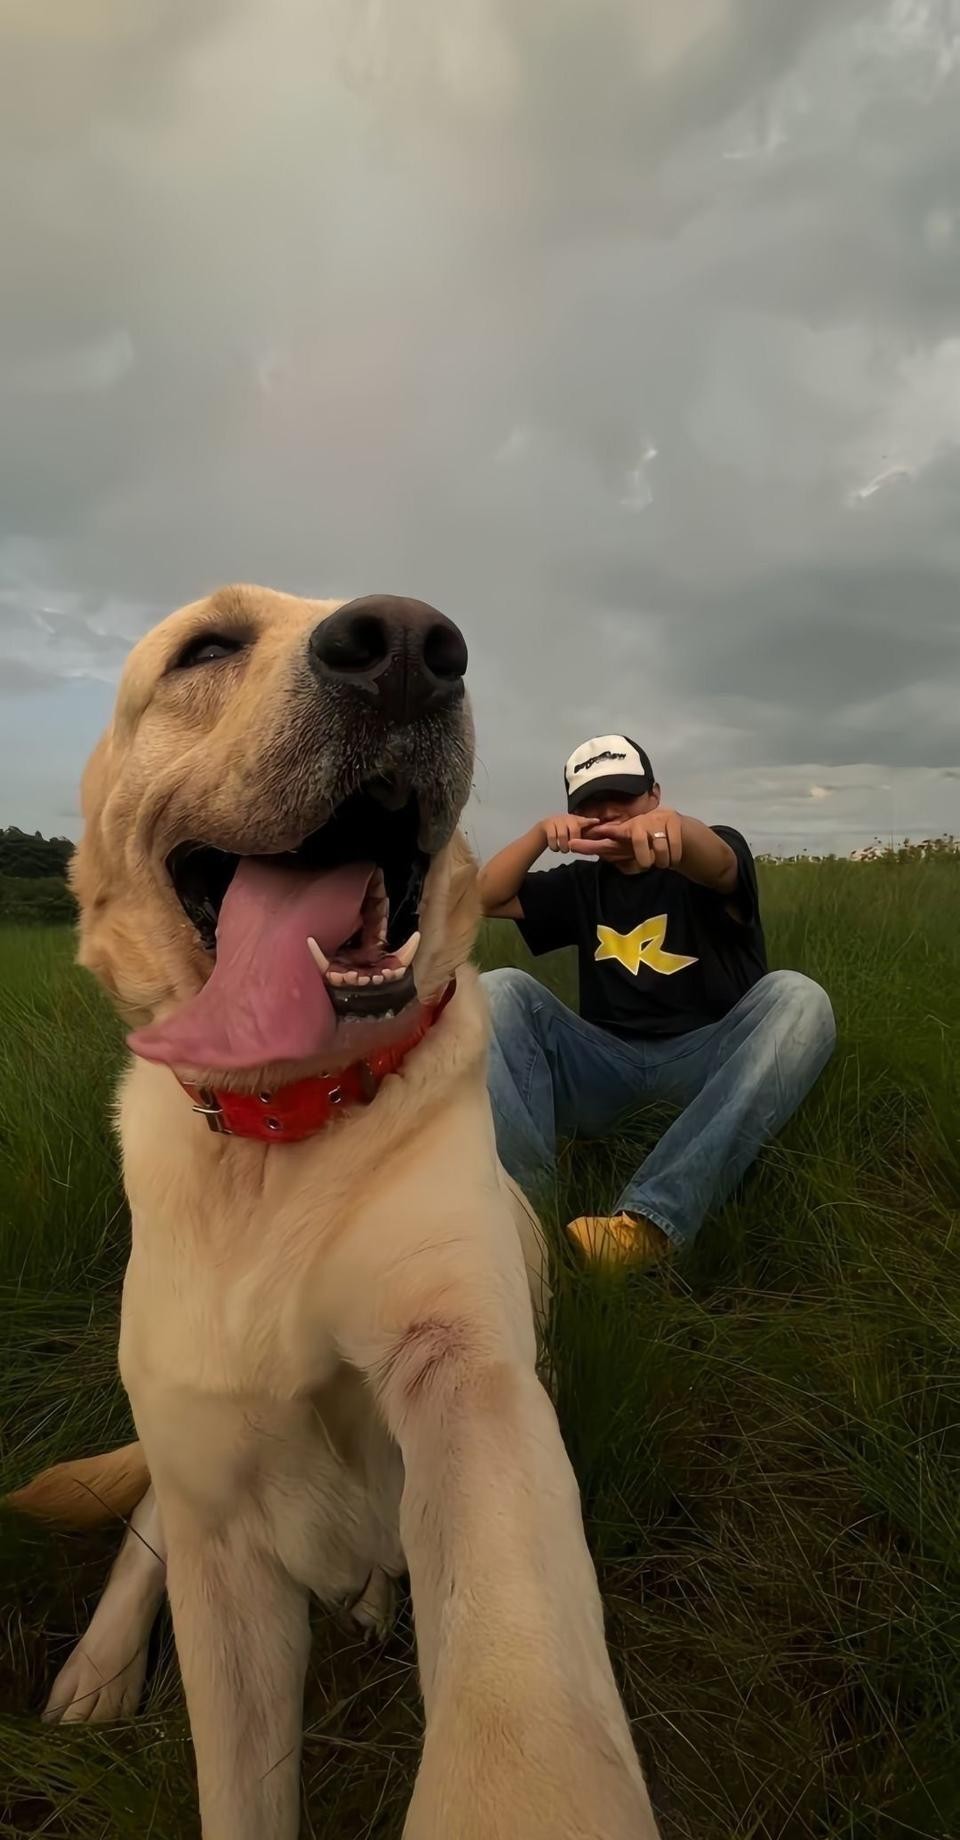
pixel 676 1002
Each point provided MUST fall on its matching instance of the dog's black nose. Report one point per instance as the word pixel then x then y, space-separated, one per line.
pixel 403 654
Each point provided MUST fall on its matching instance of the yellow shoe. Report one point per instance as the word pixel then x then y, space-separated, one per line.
pixel 619 1239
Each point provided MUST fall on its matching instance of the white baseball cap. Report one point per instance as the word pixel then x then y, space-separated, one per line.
pixel 608 763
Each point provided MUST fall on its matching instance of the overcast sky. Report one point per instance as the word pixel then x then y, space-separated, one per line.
pixel 626 331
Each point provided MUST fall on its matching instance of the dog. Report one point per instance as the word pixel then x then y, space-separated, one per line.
pixel 328 1325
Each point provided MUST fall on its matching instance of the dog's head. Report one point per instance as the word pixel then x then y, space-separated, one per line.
pixel 270 877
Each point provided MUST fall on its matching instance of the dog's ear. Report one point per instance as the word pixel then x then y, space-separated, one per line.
pixel 88 870
pixel 112 944
pixel 463 901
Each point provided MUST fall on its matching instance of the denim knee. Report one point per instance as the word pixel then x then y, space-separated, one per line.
pixel 801 1002
pixel 511 995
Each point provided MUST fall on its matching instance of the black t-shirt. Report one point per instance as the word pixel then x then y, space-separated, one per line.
pixel 659 955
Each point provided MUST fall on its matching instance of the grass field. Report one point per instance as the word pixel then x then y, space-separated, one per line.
pixel 767 1438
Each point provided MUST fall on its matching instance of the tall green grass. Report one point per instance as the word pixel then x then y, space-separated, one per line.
pixel 767 1436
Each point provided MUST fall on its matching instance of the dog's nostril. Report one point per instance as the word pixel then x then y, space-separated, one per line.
pixel 356 642
pixel 445 651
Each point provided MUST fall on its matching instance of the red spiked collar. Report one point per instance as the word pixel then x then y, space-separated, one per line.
pixel 291 1113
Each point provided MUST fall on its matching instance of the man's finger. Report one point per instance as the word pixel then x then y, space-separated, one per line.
pixel 674 829
pixel 660 849
pixel 596 846
pixel 642 850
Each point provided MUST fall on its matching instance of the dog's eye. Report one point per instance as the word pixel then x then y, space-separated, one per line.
pixel 207 648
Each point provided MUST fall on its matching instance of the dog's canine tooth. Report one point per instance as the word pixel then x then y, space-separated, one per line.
pixel 392 973
pixel 320 958
pixel 408 953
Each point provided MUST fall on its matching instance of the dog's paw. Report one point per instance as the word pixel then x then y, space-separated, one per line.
pixel 96 1689
pixel 375 1610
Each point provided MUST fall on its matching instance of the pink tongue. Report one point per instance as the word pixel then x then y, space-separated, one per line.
pixel 265 1000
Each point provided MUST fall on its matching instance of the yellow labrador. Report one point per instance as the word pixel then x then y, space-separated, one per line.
pixel 327 1336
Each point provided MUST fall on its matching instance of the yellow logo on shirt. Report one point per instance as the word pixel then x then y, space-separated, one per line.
pixel 644 946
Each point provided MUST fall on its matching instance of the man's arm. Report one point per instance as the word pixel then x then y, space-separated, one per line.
pixel 663 839
pixel 502 877
pixel 707 859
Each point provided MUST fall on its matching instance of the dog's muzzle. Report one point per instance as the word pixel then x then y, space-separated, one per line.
pixel 403 657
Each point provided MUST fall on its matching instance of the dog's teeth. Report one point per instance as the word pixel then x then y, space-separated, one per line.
pixel 408 953
pixel 362 977
pixel 320 959
pixel 336 977
pixel 378 977
pixel 392 973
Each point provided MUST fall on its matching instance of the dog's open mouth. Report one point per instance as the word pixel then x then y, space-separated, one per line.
pixel 302 941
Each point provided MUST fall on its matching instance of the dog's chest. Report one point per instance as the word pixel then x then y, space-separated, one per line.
pixel 242 1324
pixel 242 1401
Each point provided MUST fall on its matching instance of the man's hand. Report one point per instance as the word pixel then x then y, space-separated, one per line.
pixel 663 839
pixel 653 840
pixel 561 833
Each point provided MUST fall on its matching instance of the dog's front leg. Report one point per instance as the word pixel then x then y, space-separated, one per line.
pixel 526 1737
pixel 243 1637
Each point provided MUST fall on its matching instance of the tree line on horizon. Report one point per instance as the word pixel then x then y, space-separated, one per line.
pixel 33 872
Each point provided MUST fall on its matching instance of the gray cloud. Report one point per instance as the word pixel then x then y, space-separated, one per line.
pixel 18 674
pixel 627 333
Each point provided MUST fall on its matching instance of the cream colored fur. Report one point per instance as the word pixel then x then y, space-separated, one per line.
pixel 330 1353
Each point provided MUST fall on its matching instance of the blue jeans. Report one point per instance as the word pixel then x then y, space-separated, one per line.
pixel 552 1074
